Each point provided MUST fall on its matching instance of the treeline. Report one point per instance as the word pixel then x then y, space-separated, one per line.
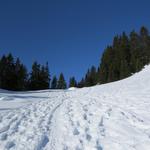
pixel 15 76
pixel 127 54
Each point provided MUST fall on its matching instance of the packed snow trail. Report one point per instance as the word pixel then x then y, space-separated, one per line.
pixel 114 116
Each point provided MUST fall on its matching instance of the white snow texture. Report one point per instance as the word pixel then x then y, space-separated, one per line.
pixel 114 116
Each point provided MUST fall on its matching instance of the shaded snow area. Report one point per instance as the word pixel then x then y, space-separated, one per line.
pixel 114 116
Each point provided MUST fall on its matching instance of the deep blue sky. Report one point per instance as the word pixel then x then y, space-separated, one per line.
pixel 70 34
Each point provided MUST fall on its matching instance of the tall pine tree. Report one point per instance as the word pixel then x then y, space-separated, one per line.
pixel 54 83
pixel 72 82
pixel 61 82
pixel 39 77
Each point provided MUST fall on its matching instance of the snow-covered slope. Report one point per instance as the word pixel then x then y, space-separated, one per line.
pixel 114 116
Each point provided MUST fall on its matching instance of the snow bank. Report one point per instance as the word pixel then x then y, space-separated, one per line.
pixel 114 116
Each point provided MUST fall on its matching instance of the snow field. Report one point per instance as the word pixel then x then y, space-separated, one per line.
pixel 114 116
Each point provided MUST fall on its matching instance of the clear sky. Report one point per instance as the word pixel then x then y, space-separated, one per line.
pixel 70 34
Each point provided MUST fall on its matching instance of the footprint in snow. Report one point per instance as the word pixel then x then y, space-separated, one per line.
pixel 90 114
pixel 88 137
pixel 3 137
pixel 1 118
pixel 78 123
pixel 109 111
pixel 123 114
pixel 85 116
pixel 85 108
pixel 9 145
pixel 138 119
pixel 86 129
pixel 5 128
pixel 43 142
pixel 65 148
pixel 76 131
pixel 101 127
pixel 78 148
pixel 98 146
pixel 9 116
pixel 101 122
pixel 81 141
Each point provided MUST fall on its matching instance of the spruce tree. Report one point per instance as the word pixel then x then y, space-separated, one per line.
pixel 45 77
pixel 145 45
pixel 135 51
pixel 9 71
pixel 54 83
pixel 3 73
pixel 81 84
pixel 125 69
pixel 34 77
pixel 21 76
pixel 39 77
pixel 127 55
pixel 61 82
pixel 72 82
pixel 91 77
pixel 13 74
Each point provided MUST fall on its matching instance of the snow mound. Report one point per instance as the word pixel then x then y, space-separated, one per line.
pixel 72 88
pixel 114 116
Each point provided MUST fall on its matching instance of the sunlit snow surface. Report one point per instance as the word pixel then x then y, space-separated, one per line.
pixel 113 116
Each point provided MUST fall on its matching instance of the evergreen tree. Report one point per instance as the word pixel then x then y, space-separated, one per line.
pixel 13 74
pixel 72 82
pixel 34 80
pixel 106 69
pixel 3 73
pixel 39 77
pixel 9 73
pixel 61 82
pixel 81 84
pixel 124 69
pixel 135 51
pixel 87 79
pixel 91 77
pixel 21 76
pixel 54 83
pixel 126 56
pixel 93 74
pixel 45 77
pixel 145 45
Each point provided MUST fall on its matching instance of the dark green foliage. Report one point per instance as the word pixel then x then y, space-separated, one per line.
pixel 54 83
pixel 127 55
pixel 13 74
pixel 61 82
pixel 135 62
pixel 21 76
pixel 34 81
pixel 81 84
pixel 45 77
pixel 115 60
pixel 3 71
pixel 39 77
pixel 72 82
pixel 91 77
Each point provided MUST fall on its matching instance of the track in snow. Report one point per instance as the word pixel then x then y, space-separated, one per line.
pixel 30 124
pixel 111 116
